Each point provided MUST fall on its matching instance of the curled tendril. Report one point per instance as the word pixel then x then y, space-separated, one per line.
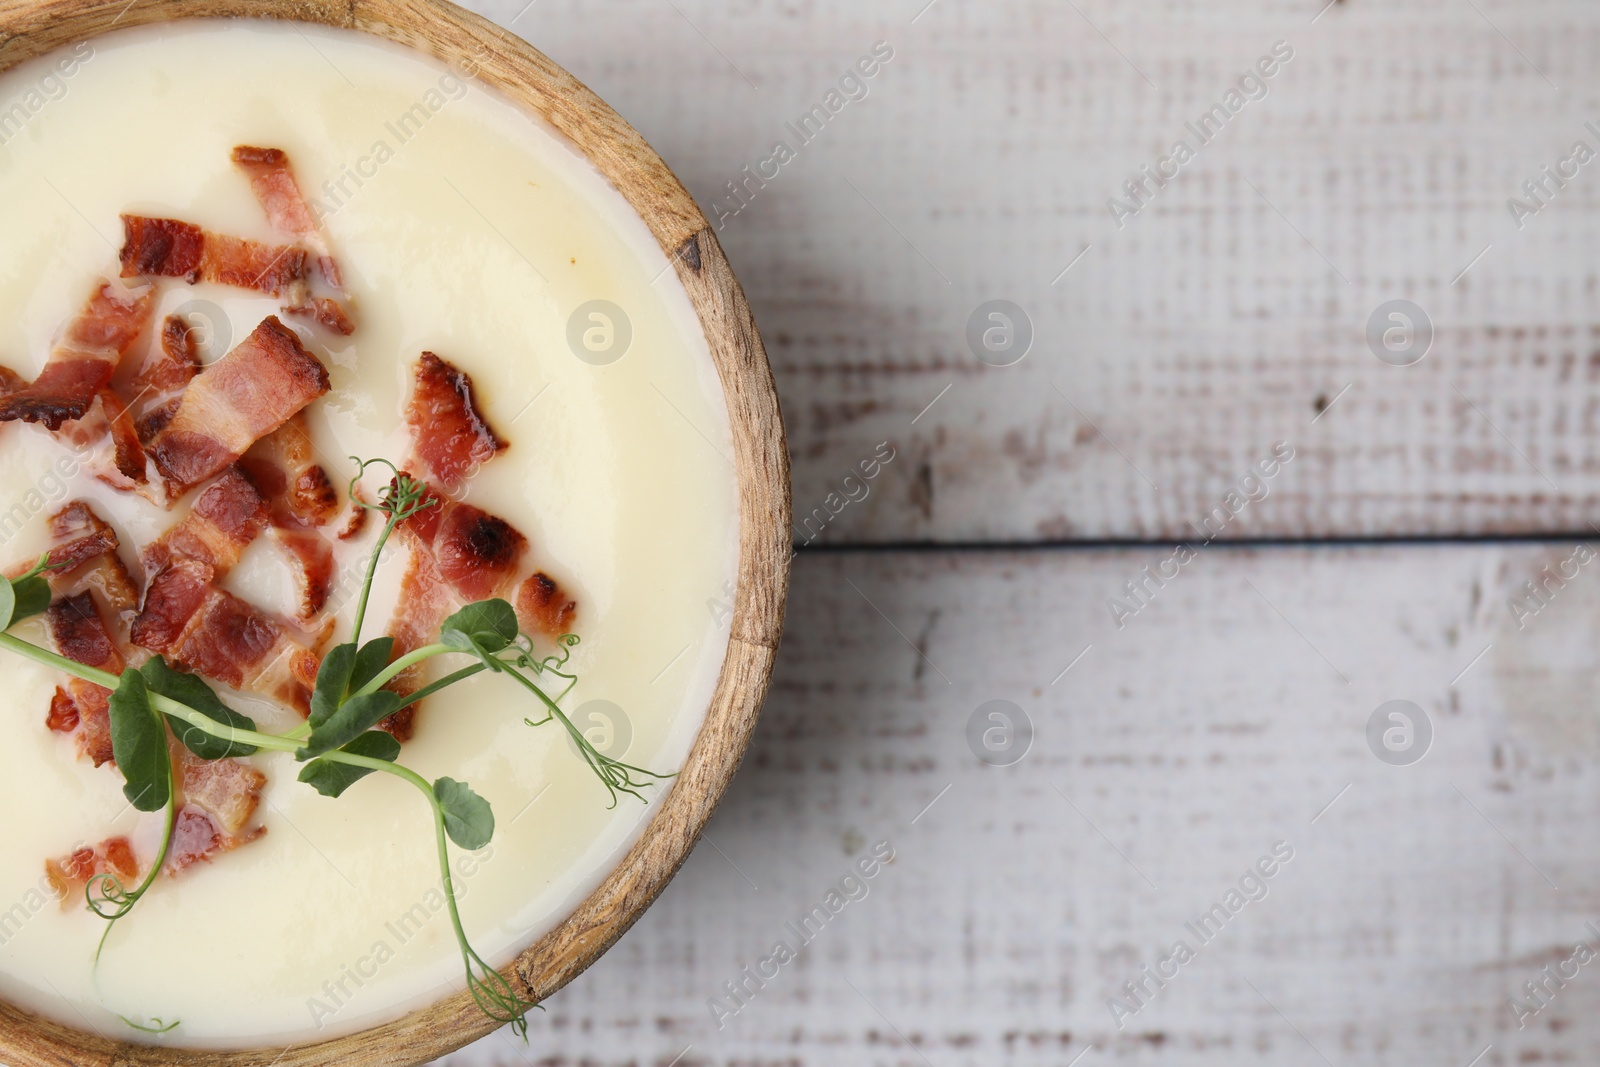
pixel 111 892
pixel 616 776
pixel 402 497
pixel 494 995
pixel 155 1026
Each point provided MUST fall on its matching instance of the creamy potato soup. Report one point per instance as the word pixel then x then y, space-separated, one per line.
pixel 460 227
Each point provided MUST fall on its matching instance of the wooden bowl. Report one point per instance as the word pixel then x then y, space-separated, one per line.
pixel 520 73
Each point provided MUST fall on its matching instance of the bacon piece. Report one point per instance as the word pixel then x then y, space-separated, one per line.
pixel 272 180
pixel 355 519
pixel 225 518
pixel 108 440
pixel 476 553
pixel 450 436
pixel 170 368
pixel 213 633
pixel 196 836
pixel 171 248
pixel 82 362
pixel 312 557
pixel 284 464
pixel 328 313
pixel 542 607
pixel 234 402
pixel 80 708
pixel 229 790
pixel 69 874
pixel 425 602
pixel 84 556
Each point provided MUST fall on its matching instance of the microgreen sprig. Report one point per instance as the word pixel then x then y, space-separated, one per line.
pixel 341 742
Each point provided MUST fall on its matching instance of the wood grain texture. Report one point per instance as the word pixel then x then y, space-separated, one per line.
pixel 759 463
pixel 1180 347
pixel 1179 750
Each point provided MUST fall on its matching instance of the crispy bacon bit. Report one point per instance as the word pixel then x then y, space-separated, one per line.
pixel 84 556
pixel 82 362
pixel 450 434
pixel 108 441
pixel 216 634
pixel 63 715
pixel 543 608
pixel 69 874
pixel 196 836
pixel 234 402
pixel 164 376
pixel 477 553
pixel 272 180
pixel 355 519
pixel 284 464
pixel 80 633
pixel 171 248
pixel 313 562
pixel 80 708
pixel 226 517
pixel 227 789
pixel 329 314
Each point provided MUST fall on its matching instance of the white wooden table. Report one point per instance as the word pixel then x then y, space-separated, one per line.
pixel 1229 712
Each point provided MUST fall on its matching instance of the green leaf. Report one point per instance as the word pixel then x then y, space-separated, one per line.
pixel 333 681
pixel 467 818
pixel 330 778
pixel 31 596
pixel 8 604
pixel 489 624
pixel 373 657
pixel 139 744
pixel 352 719
pixel 189 689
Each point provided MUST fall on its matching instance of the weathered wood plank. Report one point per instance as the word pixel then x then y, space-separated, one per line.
pixel 1224 717
pixel 1215 322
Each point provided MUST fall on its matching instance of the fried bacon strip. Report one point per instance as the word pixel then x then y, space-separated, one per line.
pixel 82 362
pixel 450 436
pixel 228 515
pixel 171 248
pixel 215 634
pixel 234 402
pixel 272 180
pixel 69 874
pixel 80 708
pixel 171 366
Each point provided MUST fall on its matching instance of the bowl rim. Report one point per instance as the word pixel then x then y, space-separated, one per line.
pixel 525 76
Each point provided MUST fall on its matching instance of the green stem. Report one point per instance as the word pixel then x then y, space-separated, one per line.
pixel 372 570
pixel 383 677
pixel 447 680
pixel 50 659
